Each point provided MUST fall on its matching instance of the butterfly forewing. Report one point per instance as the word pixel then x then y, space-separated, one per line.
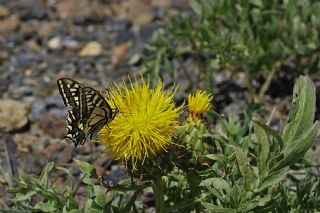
pixel 88 111
pixel 70 92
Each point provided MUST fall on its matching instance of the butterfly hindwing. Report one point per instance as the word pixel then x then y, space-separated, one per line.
pixel 88 111
pixel 97 111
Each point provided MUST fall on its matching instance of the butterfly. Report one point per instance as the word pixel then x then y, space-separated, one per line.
pixel 88 110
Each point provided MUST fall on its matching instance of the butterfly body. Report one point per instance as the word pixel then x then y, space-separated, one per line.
pixel 88 111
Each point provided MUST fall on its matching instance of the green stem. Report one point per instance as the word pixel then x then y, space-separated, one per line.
pixel 266 84
pixel 193 180
pixel 158 190
pixel 250 86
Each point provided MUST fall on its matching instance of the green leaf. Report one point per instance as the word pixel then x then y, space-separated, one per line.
pixel 218 187
pixel 270 131
pixel 303 143
pixel 216 193
pixel 196 6
pixel 87 181
pixel 300 131
pixel 88 205
pixel 245 169
pixel 301 115
pixel 214 115
pixel 263 148
pixel 95 211
pixel 298 148
pixel 111 195
pixel 217 183
pixel 46 207
pixel 25 196
pixel 213 208
pixel 247 206
pixel 76 211
pixel 213 156
pixel 44 177
pixel 87 168
pixel 99 194
pixel 273 178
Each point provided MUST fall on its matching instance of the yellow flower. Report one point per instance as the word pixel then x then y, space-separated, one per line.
pixel 146 123
pixel 198 103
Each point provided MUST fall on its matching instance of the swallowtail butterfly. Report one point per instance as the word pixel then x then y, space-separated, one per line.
pixel 88 110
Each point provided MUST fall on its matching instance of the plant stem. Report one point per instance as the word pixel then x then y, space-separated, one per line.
pixel 158 190
pixel 250 86
pixel 266 84
pixel 193 180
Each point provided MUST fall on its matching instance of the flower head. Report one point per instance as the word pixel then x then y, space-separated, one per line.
pixel 198 103
pixel 146 123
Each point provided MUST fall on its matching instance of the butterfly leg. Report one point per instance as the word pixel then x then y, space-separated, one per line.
pixel 108 126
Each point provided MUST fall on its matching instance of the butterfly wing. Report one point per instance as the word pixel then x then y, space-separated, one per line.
pixel 88 111
pixel 96 113
pixel 70 93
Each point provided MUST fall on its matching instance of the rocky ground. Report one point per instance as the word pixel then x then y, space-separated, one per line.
pixel 42 41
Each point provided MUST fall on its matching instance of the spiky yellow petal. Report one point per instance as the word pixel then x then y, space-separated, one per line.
pixel 146 123
pixel 198 103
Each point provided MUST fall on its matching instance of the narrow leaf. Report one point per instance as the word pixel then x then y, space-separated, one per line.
pixel 213 156
pixel 196 6
pixel 87 168
pixel 263 149
pixel 214 208
pixel 270 131
pixel 100 198
pixel 273 178
pixel 44 177
pixel 245 169
pixel 217 183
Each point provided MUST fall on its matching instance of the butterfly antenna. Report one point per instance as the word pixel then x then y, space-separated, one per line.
pixel 108 93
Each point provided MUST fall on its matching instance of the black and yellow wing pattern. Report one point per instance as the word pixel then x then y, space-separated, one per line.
pixel 88 111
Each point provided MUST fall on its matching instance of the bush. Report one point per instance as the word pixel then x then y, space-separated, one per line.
pixel 235 166
pixel 258 38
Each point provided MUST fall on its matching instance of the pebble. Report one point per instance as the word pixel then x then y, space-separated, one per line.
pixel 55 43
pixel 81 11
pixel 139 13
pixel 117 173
pixel 93 48
pixel 9 24
pixel 70 43
pixel 119 53
pixel 3 11
pixel 13 115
